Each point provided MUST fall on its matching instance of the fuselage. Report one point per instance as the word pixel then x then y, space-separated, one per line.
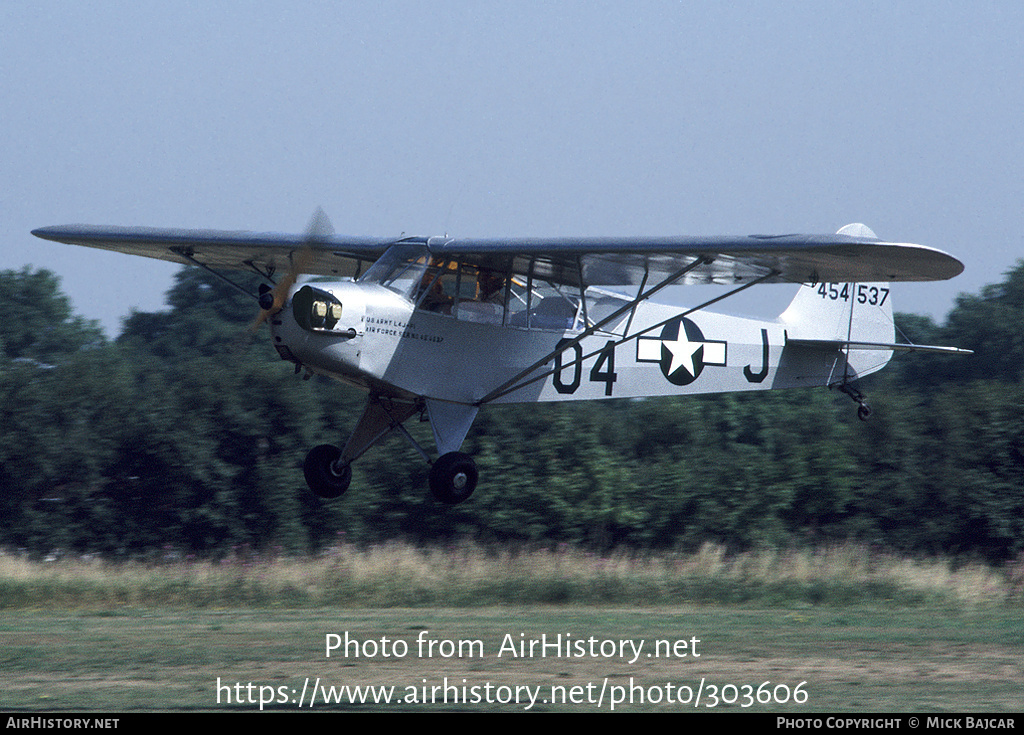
pixel 367 334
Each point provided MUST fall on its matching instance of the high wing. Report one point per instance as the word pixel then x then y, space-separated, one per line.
pixel 853 254
pixel 264 252
pixel 838 258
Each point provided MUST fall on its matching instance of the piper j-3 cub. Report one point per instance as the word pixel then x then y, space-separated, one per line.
pixel 439 326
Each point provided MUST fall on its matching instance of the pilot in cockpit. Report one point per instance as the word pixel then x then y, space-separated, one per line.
pixel 490 287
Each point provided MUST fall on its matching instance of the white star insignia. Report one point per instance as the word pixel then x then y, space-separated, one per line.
pixel 682 350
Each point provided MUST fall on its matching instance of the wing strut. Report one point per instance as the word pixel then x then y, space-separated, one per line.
pixel 187 255
pixel 501 389
pixel 511 385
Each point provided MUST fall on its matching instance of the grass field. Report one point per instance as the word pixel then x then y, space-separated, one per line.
pixel 835 631
pixel 865 659
pixel 402 575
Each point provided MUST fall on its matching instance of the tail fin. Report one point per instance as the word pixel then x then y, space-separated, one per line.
pixel 852 319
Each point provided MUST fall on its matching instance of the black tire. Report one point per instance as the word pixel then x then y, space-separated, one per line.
pixel 864 412
pixel 453 478
pixel 322 480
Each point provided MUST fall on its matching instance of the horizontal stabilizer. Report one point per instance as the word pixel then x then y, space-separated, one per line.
pixel 892 346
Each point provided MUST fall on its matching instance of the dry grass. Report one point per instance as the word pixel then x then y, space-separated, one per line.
pixel 400 574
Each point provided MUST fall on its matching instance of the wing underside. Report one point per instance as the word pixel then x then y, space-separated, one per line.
pixel 585 260
pixel 264 252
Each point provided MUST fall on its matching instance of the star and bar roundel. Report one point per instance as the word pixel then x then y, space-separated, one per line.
pixel 681 351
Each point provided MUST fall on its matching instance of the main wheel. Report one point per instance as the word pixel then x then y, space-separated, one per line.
pixel 453 477
pixel 320 475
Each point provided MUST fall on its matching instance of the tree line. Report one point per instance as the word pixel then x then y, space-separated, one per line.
pixel 187 433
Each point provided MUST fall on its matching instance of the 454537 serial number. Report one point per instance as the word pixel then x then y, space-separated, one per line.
pixel 862 293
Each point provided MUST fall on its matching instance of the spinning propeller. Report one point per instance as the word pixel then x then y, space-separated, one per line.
pixel 272 300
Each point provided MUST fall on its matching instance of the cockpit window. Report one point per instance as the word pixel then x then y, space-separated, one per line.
pixel 483 295
pixel 496 296
pixel 400 269
pixel 477 293
pixel 438 289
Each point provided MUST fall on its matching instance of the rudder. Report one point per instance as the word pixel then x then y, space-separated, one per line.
pixel 856 318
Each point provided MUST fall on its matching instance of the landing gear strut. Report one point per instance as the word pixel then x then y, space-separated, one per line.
pixel 453 476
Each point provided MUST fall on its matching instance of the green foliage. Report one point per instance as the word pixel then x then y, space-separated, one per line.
pixel 988 323
pixel 207 318
pixel 36 323
pixel 187 436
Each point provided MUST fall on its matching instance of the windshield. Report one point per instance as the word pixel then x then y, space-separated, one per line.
pixel 400 269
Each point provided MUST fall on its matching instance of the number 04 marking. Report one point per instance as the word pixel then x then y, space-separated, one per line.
pixel 602 372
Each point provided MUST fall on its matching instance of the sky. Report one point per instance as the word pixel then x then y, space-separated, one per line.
pixel 523 119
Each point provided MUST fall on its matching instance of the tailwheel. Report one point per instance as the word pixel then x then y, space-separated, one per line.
pixel 863 409
pixel 453 477
pixel 322 475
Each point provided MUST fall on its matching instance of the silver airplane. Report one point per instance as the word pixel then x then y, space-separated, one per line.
pixel 439 327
